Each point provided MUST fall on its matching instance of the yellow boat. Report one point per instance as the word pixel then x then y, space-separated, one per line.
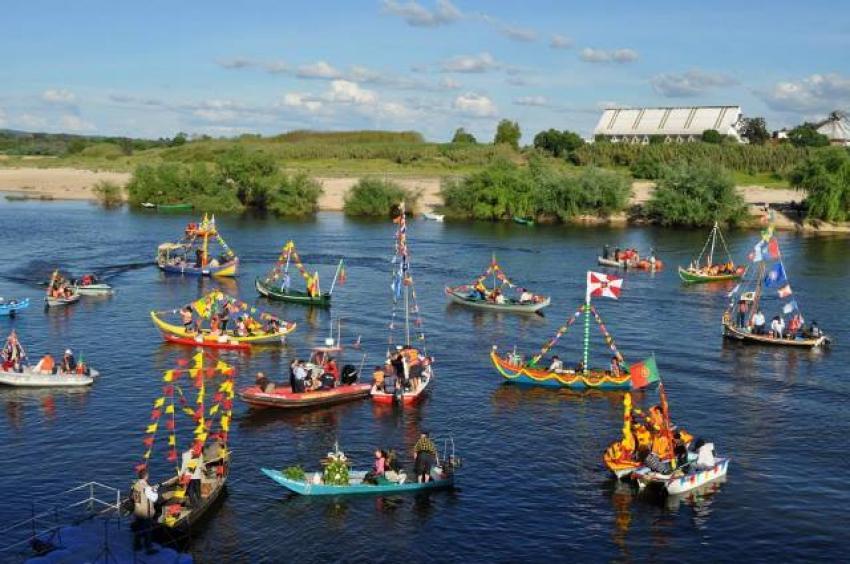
pixel 257 338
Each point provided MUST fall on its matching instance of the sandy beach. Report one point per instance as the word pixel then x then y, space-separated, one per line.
pixel 76 184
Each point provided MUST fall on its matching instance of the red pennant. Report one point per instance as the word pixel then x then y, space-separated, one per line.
pixel 174 509
pixel 139 467
pixel 172 455
pixel 227 404
pixel 182 362
pixel 210 372
pixel 168 390
pixel 148 441
pixel 218 397
pixel 169 424
pixel 156 413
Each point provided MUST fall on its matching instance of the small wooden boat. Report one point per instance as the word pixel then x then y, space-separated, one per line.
pixel 191 256
pixel 90 285
pixel 632 263
pixel 173 208
pixel 682 480
pixel 438 217
pixel 206 341
pixel 523 220
pixel 31 378
pixel 399 396
pixel 292 296
pixel 183 516
pixel 148 205
pixel 59 292
pixel 276 284
pixel 284 397
pixel 689 276
pixel 12 307
pixel 63 301
pixel 497 297
pixel 703 269
pixel 357 486
pixel 257 338
pixel 743 335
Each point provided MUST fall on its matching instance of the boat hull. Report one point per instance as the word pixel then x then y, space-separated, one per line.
pixel 11 309
pixel 94 289
pixel 306 488
pixel 31 379
pixel 187 518
pixel 406 399
pixel 211 342
pixel 284 398
pixel 735 334
pixel 459 298
pixel 291 296
pixel 594 380
pixel 264 338
pixel 681 484
pixel 229 269
pixel 693 278
pixel 60 302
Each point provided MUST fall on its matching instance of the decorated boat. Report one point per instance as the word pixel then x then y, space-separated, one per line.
pixel 16 372
pixel 766 284
pixel 618 376
pixel 655 453
pixel 336 478
pixel 329 387
pixel 409 368
pixel 629 259
pixel 91 285
pixel 193 254
pixel 504 295
pixel 277 283
pixel 703 269
pixel 12 307
pixel 199 394
pixel 208 318
pixel 207 341
pixel 60 292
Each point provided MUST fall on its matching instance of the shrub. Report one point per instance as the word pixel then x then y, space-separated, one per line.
pixel 825 176
pixel 172 183
pixel 807 136
pixel 696 196
pixel 296 195
pixel 507 133
pixel 558 143
pixel 648 165
pixel 103 150
pixel 712 136
pixel 109 194
pixel 463 136
pixel 376 197
pixel 499 191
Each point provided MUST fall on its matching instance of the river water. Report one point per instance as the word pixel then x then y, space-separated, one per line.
pixel 533 486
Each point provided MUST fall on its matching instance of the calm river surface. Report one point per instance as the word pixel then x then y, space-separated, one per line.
pixel 533 486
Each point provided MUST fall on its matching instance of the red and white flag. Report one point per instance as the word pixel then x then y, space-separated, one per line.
pixel 784 291
pixel 599 284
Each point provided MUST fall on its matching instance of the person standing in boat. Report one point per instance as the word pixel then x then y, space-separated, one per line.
pixel 777 327
pixel 758 322
pixel 145 497
pixel 286 283
pixel 193 467
pixel 743 308
pixel 424 456
pixel 69 363
pixel 615 366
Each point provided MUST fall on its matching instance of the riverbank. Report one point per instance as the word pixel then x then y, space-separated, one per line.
pixel 77 184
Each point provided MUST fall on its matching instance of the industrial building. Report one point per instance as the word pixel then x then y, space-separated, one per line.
pixel 674 124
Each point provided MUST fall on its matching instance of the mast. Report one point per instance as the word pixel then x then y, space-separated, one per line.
pixel 406 314
pixel 586 357
pixel 336 275
pixel 713 241
pixel 493 268
pixel 757 295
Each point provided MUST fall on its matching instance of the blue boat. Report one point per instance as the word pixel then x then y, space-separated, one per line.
pixel 11 307
pixel 356 486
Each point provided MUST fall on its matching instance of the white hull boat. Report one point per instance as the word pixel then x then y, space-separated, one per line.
pixel 29 378
pixel 680 484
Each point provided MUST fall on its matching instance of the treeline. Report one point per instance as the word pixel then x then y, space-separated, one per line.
pixel 63 144
pixel 236 181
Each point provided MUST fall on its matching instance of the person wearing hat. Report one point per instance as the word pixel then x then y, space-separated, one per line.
pixel 69 364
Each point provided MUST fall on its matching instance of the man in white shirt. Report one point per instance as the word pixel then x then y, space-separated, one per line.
pixel 526 296
pixel 557 365
pixel 777 327
pixel 758 323
pixel 705 457
pixel 144 497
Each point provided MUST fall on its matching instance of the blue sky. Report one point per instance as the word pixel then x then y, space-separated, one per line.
pixel 223 68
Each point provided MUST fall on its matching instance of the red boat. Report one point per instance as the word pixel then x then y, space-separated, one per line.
pixel 284 397
pixel 204 342
pixel 405 399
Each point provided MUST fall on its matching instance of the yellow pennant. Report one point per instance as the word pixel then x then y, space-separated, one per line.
pixel 214 409
pixel 178 494
pixel 147 454
pixel 222 366
pixel 169 376
pixel 151 428
pixel 198 359
pixel 202 437
pixel 169 408
pixel 225 423
pixel 172 440
pixel 159 403
pixel 200 428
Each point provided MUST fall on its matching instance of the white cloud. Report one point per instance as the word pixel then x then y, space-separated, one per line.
pixel 482 62
pixel 319 69
pixel 76 123
pixel 419 16
pixel 691 83
pixel 215 115
pixel 590 55
pixel 58 96
pixel 345 91
pixel 302 101
pixel 561 42
pixel 539 101
pixel 820 93
pixel 474 105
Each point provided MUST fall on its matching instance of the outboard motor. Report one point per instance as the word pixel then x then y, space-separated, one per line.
pixel 349 374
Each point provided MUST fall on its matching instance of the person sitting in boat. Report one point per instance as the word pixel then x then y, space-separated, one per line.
pixel 241 329
pixel 556 365
pixel 795 324
pixel 378 469
pixel 327 381
pixel 67 292
pixel 656 464
pixel 199 258
pixel 525 296
pixel 758 321
pixel 263 383
pixel 214 263
pixel 378 376
pixel 426 367
pixel 814 331
pixel 46 365
pixel 424 456
pixel 580 367
pixel 330 367
pixel 299 378
pixel 615 367
pixel 777 327
pixel 606 251
pixel 705 455
pixel 481 290
pixel 499 298
pixel 69 363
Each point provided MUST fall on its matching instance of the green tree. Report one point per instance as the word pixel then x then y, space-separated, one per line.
pixel 696 196
pixel 507 133
pixel 825 176
pixel 463 136
pixel 558 143
pixel 754 130
pixel 378 198
pixel 179 139
pixel 253 174
pixel 807 136
pixel 712 136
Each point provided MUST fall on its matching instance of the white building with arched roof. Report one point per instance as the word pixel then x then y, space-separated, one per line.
pixel 674 124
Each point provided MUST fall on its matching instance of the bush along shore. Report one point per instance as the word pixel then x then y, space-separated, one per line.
pixel 379 198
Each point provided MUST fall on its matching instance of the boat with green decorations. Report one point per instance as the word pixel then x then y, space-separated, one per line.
pixel 703 269
pixel 277 283
pixel 523 220
pixel 617 376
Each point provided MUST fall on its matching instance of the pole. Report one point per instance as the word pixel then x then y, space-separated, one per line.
pixel 406 314
pixel 586 334
pixel 288 250
pixel 713 240
pixel 336 275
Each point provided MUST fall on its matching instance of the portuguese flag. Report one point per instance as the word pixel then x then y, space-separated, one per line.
pixel 644 373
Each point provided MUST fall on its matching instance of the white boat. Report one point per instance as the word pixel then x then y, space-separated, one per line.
pixel 30 378
pixel 148 205
pixel 434 216
pixel 680 483
pixel 56 302
pixel 96 289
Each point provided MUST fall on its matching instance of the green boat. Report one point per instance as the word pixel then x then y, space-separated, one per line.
pixel 523 220
pixel 277 284
pixel 356 485
pixel 173 208
pixel 703 269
